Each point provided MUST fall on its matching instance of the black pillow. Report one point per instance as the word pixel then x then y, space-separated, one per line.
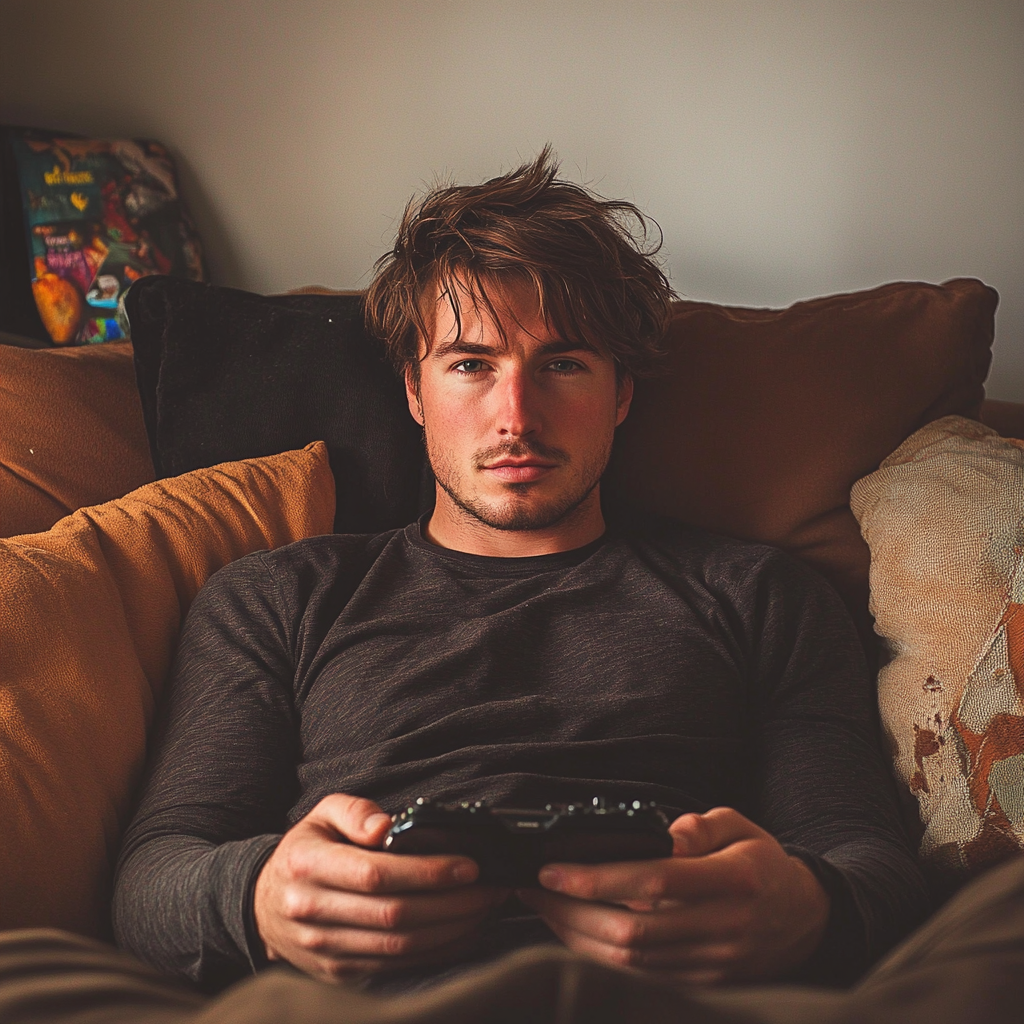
pixel 224 374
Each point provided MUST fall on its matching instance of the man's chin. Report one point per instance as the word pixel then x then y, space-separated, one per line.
pixel 522 512
pixel 520 521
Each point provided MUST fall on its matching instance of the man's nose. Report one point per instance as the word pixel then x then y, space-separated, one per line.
pixel 517 412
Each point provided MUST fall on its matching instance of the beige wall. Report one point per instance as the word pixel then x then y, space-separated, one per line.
pixel 787 148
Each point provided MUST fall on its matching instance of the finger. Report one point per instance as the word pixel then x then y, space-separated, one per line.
pixel 711 961
pixel 333 865
pixel 714 923
pixel 354 817
pixel 341 942
pixel 649 883
pixel 398 912
pixel 337 966
pixel 695 835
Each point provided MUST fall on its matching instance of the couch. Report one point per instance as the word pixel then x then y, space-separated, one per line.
pixel 130 471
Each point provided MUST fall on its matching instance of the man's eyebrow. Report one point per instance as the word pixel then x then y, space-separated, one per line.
pixel 461 347
pixel 557 346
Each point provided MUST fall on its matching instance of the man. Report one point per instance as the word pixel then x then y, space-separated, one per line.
pixel 510 647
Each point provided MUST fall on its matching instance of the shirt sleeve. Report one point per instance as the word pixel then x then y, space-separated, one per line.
pixel 220 783
pixel 822 786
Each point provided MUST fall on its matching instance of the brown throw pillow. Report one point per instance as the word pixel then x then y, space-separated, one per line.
pixel 89 615
pixel 71 432
pixel 766 417
pixel 944 517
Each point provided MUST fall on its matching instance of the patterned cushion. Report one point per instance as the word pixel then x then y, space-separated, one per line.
pixel 944 518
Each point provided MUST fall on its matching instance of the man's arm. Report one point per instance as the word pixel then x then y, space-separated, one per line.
pixel 210 869
pixel 825 879
pixel 334 909
pixel 220 780
pixel 729 904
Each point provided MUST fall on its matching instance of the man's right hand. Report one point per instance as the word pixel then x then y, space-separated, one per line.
pixel 333 909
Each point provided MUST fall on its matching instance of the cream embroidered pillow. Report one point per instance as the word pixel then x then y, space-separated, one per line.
pixel 944 519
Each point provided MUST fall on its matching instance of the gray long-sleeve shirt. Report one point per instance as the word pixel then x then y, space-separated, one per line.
pixel 672 666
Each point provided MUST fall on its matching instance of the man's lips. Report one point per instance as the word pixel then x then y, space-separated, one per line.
pixel 519 471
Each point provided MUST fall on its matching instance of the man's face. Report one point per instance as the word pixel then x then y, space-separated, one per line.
pixel 518 430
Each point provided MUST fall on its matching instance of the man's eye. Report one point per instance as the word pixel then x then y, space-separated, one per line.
pixel 564 366
pixel 469 366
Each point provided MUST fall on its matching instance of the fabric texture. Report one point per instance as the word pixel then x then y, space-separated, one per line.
pixel 89 617
pixel 944 518
pixel 766 417
pixel 225 374
pixel 71 433
pixel 965 964
pixel 668 666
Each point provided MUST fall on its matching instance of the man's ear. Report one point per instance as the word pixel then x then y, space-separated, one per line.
pixel 412 393
pixel 625 396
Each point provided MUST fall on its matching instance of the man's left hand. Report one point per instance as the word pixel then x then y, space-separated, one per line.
pixel 729 904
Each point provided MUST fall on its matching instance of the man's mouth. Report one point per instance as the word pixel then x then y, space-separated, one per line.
pixel 520 462
pixel 518 471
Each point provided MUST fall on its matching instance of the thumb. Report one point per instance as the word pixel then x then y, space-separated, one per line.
pixel 696 835
pixel 354 817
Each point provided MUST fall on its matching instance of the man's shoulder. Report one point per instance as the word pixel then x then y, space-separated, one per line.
pixel 327 549
pixel 763 591
pixel 692 547
pixel 329 556
pixel 719 562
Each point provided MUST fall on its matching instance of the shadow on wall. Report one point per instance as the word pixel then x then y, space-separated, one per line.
pixel 222 262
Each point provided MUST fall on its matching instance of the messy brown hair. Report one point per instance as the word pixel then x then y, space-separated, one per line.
pixel 589 259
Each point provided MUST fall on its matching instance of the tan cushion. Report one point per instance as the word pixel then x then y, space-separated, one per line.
pixel 767 417
pixel 71 432
pixel 89 615
pixel 944 517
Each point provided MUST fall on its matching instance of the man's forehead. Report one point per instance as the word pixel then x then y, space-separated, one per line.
pixel 484 317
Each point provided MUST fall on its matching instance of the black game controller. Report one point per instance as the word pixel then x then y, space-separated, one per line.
pixel 511 844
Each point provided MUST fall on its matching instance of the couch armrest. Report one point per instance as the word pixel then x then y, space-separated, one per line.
pixel 1005 417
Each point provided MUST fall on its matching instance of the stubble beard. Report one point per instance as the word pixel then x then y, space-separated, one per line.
pixel 516 512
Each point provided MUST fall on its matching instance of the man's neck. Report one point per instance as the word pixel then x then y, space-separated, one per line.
pixel 452 527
